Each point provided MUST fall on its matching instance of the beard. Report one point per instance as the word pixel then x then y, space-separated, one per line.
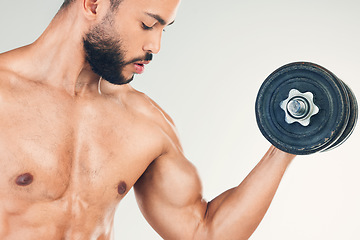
pixel 105 54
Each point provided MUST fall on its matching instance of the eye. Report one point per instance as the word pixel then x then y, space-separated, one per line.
pixel 145 27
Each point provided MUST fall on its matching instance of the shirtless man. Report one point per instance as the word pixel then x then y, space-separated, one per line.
pixel 72 145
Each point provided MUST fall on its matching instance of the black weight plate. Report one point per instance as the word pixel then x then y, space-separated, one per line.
pixel 324 128
pixel 352 120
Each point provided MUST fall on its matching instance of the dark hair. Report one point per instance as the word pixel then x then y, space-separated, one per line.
pixel 114 3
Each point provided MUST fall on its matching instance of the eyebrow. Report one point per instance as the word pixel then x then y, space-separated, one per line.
pixel 159 19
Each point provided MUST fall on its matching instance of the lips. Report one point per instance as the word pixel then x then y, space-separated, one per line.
pixel 140 66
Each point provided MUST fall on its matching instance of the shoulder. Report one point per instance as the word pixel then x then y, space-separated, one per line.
pixel 145 113
pixel 9 61
pixel 8 77
pixel 142 105
pixel 145 105
pixel 135 101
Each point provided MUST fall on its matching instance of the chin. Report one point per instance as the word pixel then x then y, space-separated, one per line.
pixel 130 79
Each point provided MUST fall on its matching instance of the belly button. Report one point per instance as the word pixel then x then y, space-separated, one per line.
pixel 24 179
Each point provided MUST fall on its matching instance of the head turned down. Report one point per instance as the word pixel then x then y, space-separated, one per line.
pixel 119 37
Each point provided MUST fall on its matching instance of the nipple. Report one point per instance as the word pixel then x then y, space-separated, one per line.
pixel 24 179
pixel 122 188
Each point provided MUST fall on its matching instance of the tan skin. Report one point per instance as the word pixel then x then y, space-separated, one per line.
pixel 72 148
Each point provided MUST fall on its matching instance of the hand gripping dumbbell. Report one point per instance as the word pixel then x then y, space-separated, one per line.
pixel 303 108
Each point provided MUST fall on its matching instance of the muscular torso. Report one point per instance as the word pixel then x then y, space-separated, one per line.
pixel 67 161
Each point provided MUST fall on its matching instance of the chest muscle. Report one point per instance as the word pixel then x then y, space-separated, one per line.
pixel 82 152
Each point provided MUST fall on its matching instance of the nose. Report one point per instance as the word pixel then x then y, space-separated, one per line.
pixel 153 44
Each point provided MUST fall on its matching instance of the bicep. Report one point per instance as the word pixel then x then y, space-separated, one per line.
pixel 169 195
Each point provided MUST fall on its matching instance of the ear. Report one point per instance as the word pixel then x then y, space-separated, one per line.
pixel 91 8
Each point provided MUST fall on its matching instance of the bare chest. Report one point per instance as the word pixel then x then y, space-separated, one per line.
pixel 80 152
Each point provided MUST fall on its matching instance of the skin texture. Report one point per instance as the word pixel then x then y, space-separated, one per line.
pixel 72 147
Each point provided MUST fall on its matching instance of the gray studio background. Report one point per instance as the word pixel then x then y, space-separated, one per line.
pixel 213 60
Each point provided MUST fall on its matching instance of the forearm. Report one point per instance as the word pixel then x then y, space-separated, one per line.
pixel 236 213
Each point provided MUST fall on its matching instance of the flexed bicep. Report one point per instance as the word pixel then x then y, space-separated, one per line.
pixel 169 196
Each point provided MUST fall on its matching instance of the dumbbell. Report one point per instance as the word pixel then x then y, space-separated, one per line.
pixel 302 108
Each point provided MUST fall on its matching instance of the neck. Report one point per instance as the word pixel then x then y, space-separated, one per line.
pixel 57 57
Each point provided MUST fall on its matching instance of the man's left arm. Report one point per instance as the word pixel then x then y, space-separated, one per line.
pixel 169 195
